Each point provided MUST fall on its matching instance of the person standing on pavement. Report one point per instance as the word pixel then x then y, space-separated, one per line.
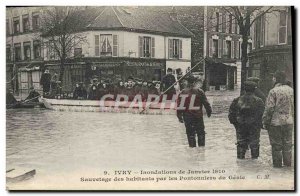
pixel 278 119
pixel 245 113
pixel 192 117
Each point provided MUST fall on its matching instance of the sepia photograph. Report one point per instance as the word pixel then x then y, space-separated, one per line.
pixel 150 98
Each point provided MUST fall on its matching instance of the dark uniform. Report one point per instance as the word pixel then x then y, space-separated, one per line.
pixel 168 81
pixel 245 113
pixel 93 91
pixel 193 119
pixel 46 82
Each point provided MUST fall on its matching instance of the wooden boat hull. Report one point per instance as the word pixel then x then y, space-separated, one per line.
pixel 108 106
pixel 29 105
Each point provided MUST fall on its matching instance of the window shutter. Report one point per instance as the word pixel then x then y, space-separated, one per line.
pixel 237 29
pixel 240 46
pixel 115 46
pixel 210 47
pixel 214 21
pixel 226 23
pixel 152 47
pixel 220 22
pixel 97 46
pixel 237 49
pixel 233 25
pixel 140 46
pixel 224 47
pixel 180 49
pixel 219 48
pixel 232 49
pixel 170 49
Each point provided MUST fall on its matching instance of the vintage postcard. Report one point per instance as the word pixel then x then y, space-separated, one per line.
pixel 150 98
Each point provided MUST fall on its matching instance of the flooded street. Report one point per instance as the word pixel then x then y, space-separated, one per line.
pixel 64 146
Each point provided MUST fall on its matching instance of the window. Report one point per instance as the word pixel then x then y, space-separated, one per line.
pixel 51 50
pixel 25 23
pixel 77 52
pixel 27 50
pixel 106 45
pixel 175 48
pixel 215 48
pixel 259 31
pixel 238 50
pixel 37 49
pixel 146 46
pixel 218 21
pixel 35 21
pixel 230 24
pixel 16 24
pixel 255 71
pixel 17 52
pixel 8 53
pixel 249 48
pixel 227 49
pixel 282 34
pixel 7 27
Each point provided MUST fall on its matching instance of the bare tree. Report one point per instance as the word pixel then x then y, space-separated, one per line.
pixel 245 17
pixel 61 32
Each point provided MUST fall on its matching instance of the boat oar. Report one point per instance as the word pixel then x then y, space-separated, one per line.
pixel 157 98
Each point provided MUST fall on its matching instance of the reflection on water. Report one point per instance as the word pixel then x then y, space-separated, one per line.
pixel 50 141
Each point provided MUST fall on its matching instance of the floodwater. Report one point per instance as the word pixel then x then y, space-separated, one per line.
pixel 64 146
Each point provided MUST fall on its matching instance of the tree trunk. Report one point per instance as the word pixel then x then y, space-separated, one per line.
pixel 244 60
pixel 62 70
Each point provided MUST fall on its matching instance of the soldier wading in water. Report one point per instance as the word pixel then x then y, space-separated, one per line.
pixel 245 113
pixel 189 111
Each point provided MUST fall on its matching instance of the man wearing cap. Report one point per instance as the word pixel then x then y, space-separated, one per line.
pixel 33 95
pixel 245 113
pixel 189 110
pixel 278 119
pixel 257 92
pixel 93 91
pixel 167 81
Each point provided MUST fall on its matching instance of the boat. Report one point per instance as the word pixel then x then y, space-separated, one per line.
pixel 29 105
pixel 167 107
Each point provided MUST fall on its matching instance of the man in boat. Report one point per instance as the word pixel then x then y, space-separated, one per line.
pixel 79 91
pixel 93 90
pixel 167 81
pixel 245 113
pixel 130 91
pixel 46 82
pixel 189 111
pixel 33 95
pixel 144 90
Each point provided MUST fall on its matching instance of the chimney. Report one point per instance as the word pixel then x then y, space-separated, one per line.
pixel 173 14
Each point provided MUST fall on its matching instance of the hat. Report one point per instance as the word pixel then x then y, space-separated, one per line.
pixel 169 69
pixel 130 78
pixel 253 79
pixel 191 79
pixel 250 86
pixel 280 77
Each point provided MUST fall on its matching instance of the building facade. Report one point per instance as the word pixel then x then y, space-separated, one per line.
pixel 120 42
pixel 217 39
pixel 272 47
